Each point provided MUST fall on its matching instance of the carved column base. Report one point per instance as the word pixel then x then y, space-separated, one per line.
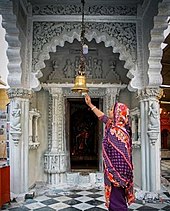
pixel 56 179
pixel 55 165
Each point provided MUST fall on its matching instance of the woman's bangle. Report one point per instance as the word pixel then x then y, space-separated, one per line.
pixel 93 108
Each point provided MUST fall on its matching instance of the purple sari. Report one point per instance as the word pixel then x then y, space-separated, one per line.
pixel 118 168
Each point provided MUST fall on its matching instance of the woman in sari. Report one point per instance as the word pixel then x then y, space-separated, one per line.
pixel 117 156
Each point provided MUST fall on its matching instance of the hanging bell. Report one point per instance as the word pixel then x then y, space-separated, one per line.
pixel 80 84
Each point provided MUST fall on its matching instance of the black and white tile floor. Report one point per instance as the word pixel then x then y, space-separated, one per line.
pixel 165 169
pixel 76 200
pixel 85 200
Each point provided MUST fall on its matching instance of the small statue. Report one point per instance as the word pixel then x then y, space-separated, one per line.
pixel 16 114
pixel 69 69
pixel 55 65
pixel 153 117
pixel 97 66
pixel 113 71
pixel 89 67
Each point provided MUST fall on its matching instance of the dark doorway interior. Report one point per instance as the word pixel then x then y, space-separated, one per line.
pixel 84 128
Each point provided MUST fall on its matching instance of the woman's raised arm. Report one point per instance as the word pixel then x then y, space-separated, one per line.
pixel 93 108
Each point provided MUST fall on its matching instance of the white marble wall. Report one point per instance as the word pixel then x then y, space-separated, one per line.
pixel 20 75
pixel 36 156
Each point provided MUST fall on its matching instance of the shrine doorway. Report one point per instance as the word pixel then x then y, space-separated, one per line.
pixel 84 137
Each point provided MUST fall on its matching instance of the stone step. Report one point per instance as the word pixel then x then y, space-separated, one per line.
pixel 84 179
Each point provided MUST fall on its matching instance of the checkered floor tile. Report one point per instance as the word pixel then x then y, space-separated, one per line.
pixel 76 200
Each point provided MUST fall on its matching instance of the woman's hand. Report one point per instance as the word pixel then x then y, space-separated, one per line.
pixel 88 100
pixel 93 108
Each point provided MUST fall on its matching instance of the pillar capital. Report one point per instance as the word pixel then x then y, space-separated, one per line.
pixel 144 94
pixel 19 93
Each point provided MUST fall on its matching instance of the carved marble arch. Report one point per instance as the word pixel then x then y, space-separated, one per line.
pixel 14 45
pixel 157 37
pixel 75 34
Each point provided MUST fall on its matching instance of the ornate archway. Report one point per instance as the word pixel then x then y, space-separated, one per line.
pixel 121 43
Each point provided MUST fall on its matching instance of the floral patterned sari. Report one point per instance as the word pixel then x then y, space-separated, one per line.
pixel 117 153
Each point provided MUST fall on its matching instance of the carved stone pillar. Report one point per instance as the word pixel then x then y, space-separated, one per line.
pixel 110 99
pixel 19 141
pixel 150 138
pixel 56 157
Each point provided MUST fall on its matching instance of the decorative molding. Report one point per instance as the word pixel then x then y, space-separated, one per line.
pixel 33 145
pixel 150 93
pixel 61 9
pixel 55 163
pixel 48 86
pixel 97 92
pixel 111 94
pixel 124 33
pixel 19 92
pixel 50 116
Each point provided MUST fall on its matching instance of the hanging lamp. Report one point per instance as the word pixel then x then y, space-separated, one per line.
pixel 80 80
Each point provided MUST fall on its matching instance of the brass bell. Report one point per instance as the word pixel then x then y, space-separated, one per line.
pixel 80 84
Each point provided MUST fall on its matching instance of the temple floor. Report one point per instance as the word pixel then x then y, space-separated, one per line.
pixel 87 198
pixel 76 200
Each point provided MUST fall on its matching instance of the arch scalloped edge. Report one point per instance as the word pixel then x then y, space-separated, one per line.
pixel 154 69
pixel 75 34
pixel 34 82
pixel 13 51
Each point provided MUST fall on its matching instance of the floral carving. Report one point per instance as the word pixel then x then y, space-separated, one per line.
pixel 44 32
pixel 19 92
pixel 89 10
pixel 150 92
